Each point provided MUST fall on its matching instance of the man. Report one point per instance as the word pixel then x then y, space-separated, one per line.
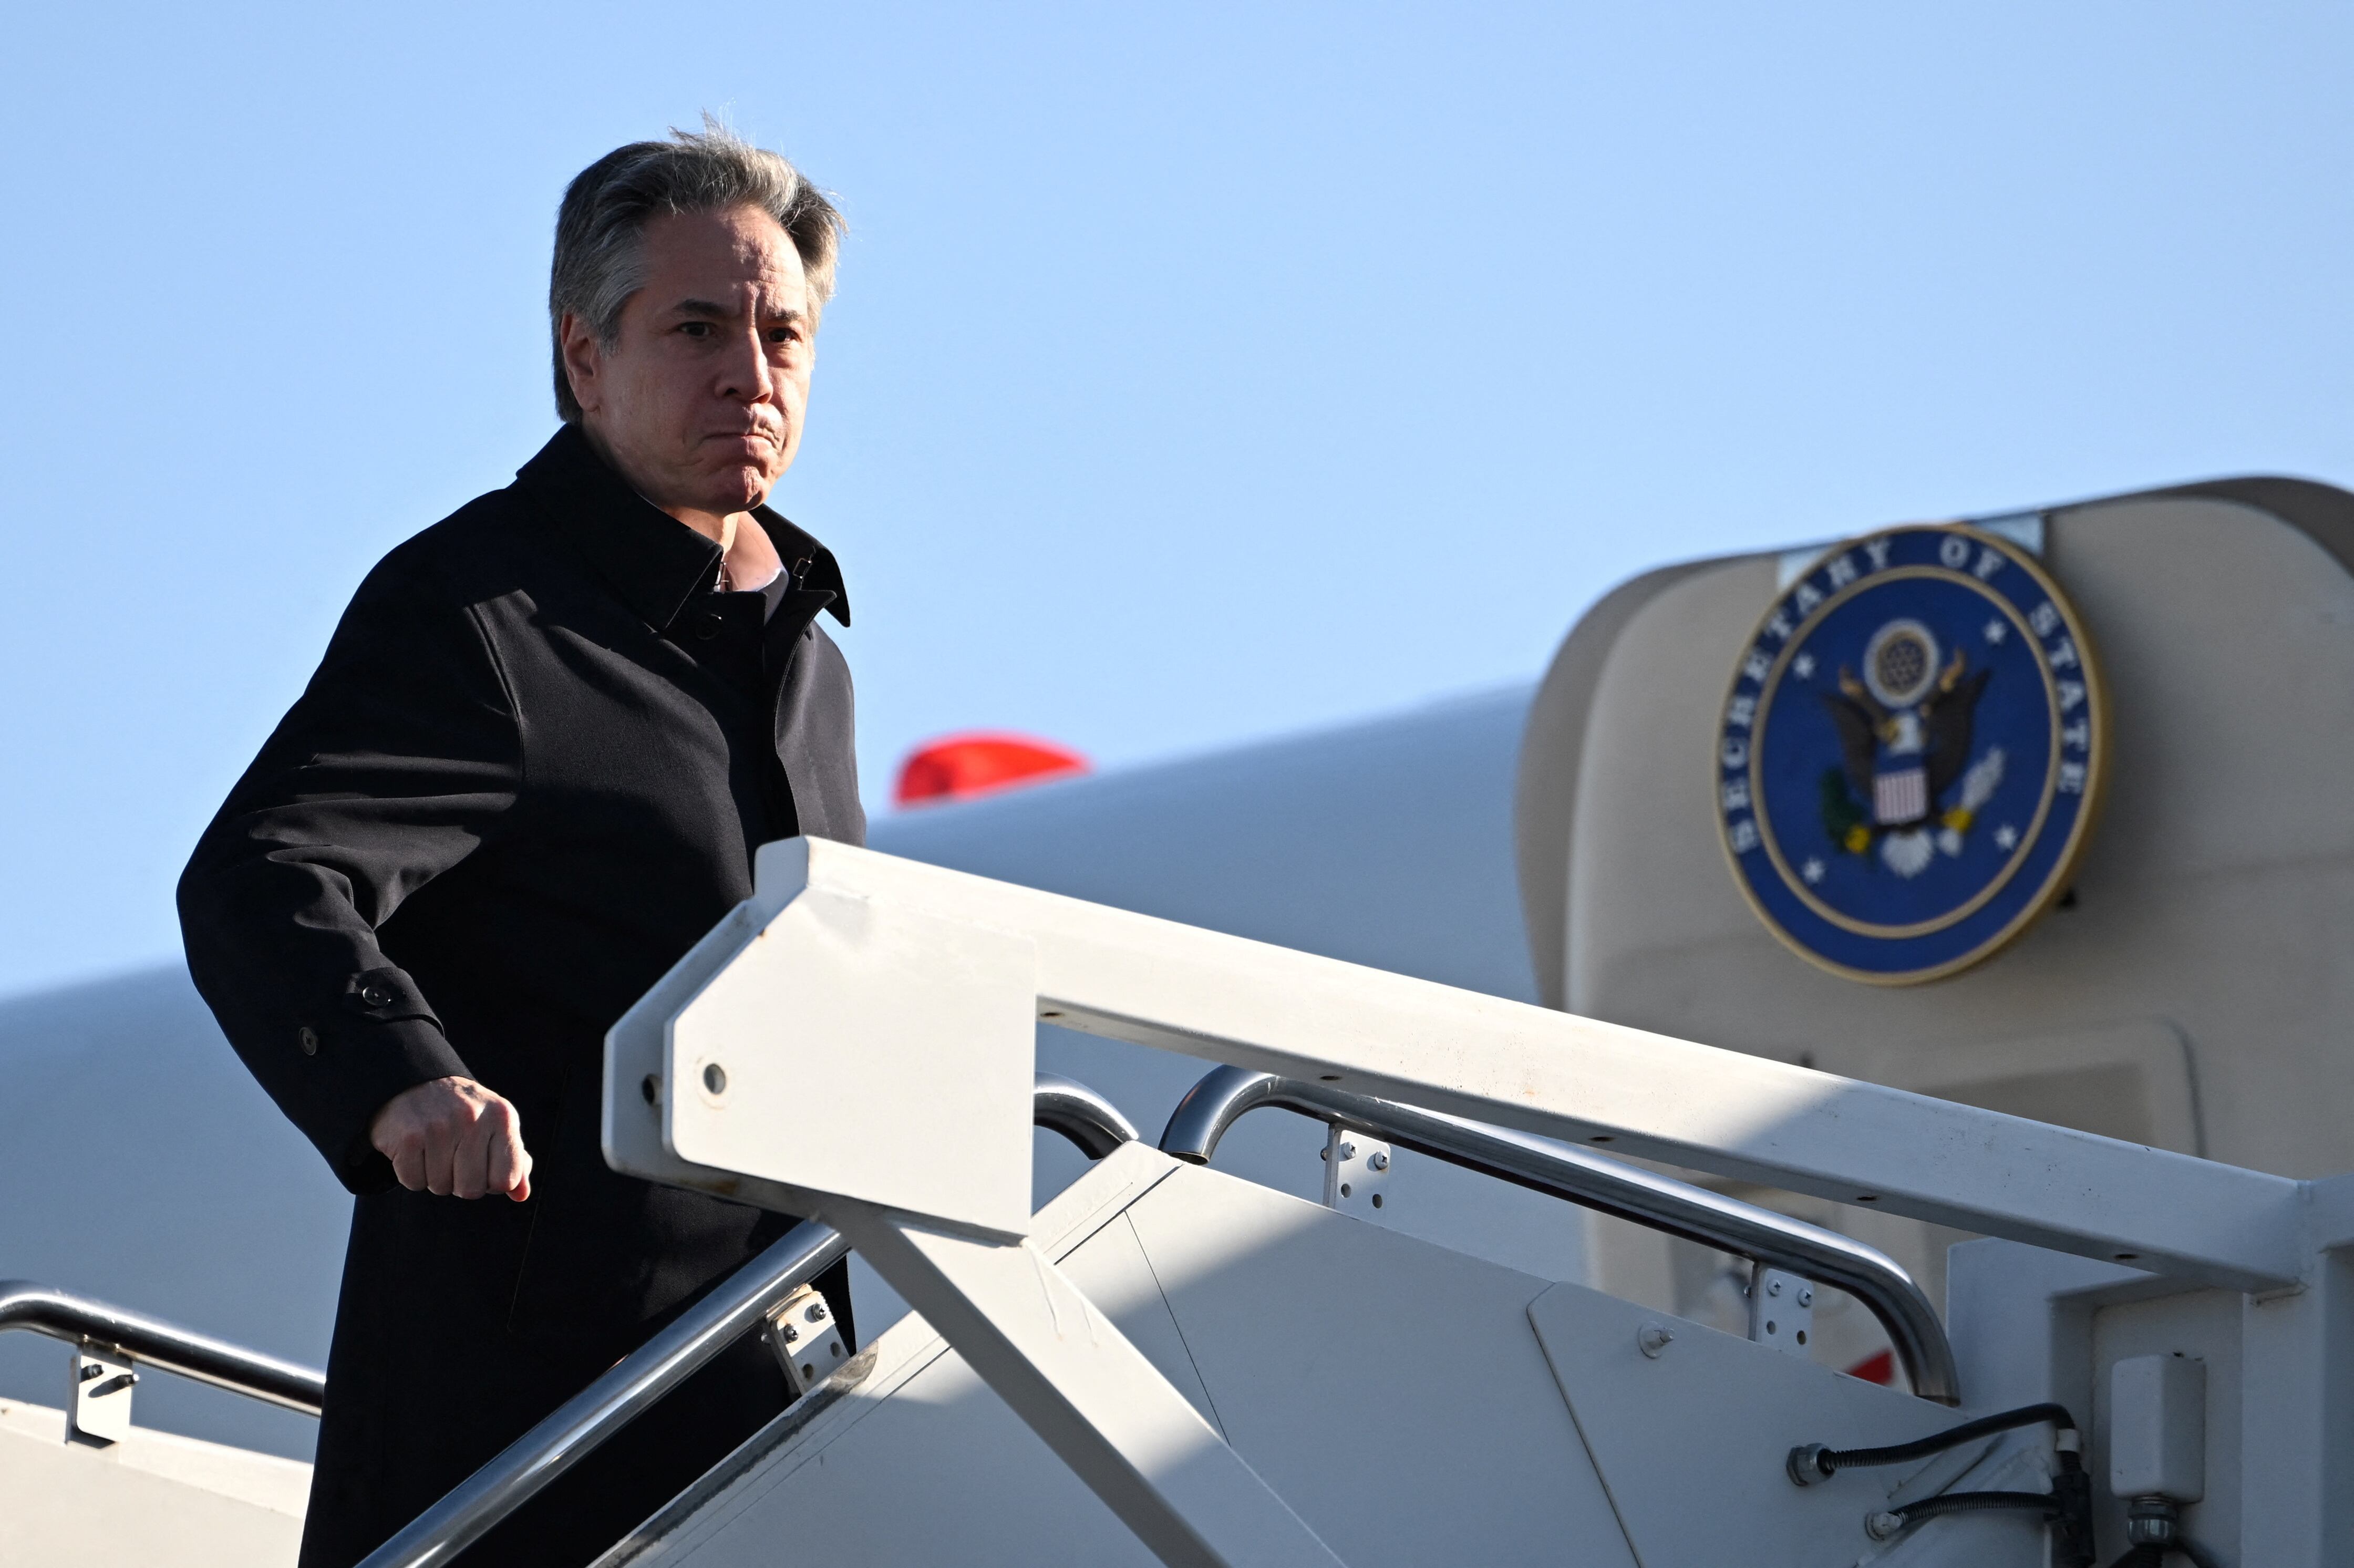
pixel 531 771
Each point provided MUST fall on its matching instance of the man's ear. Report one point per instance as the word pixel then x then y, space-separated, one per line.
pixel 584 361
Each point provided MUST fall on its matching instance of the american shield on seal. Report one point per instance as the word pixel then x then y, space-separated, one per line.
pixel 1912 753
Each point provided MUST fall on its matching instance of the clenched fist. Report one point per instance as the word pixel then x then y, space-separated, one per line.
pixel 455 1139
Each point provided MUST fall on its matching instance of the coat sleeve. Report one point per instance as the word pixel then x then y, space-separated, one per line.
pixel 402 758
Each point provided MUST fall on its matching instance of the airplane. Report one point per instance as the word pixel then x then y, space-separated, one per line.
pixel 1748 804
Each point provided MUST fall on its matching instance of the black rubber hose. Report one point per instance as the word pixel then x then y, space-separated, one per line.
pixel 1977 1502
pixel 2071 1522
pixel 1814 1463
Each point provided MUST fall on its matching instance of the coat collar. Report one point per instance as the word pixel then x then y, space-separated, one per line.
pixel 654 562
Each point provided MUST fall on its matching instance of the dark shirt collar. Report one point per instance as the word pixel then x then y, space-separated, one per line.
pixel 653 561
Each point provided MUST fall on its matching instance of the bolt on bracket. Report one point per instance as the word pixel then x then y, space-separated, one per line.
pixel 801 1332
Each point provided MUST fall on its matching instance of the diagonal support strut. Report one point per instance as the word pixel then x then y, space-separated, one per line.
pixel 1076 1381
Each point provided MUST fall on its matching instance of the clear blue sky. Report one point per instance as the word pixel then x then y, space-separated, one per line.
pixel 1199 372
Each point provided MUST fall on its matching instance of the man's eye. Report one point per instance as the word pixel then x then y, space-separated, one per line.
pixel 696 329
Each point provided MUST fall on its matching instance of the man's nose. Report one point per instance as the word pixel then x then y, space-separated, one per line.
pixel 745 373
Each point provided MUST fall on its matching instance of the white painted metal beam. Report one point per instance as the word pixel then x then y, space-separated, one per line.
pixel 1076 1381
pixel 1224 998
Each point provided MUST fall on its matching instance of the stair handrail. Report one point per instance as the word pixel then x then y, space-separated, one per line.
pixel 1070 1107
pixel 1605 1185
pixel 152 1341
pixel 578 1427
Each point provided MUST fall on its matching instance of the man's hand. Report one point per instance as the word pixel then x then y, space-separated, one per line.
pixel 453 1138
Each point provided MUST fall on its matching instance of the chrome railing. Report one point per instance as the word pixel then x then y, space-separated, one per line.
pixel 1081 1115
pixel 582 1424
pixel 151 1341
pixel 1607 1186
pixel 638 1380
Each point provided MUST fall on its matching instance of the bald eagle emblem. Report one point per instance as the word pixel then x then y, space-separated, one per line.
pixel 1904 742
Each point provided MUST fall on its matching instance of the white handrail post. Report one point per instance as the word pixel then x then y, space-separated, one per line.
pixel 872 1062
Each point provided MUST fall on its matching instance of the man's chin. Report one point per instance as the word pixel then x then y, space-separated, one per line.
pixel 738 489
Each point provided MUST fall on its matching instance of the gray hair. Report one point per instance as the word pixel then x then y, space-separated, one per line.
pixel 600 228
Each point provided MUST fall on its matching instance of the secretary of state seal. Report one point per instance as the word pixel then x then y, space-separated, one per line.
pixel 530 772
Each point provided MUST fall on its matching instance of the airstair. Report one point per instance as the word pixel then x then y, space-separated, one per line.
pixel 1170 1364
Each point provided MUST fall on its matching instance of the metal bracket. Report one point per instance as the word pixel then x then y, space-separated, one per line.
pixel 803 1333
pixel 1356 1173
pixel 1781 1310
pixel 98 1409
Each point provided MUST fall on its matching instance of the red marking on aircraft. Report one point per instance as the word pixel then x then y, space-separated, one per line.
pixel 980 762
pixel 1880 1368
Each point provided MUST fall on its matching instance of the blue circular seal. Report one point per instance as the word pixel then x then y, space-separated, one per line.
pixel 1912 753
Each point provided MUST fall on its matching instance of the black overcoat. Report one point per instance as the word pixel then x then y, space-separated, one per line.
pixel 531 771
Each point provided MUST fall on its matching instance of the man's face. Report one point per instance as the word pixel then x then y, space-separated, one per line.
pixel 699 401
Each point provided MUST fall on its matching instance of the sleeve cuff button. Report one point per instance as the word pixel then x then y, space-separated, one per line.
pixel 309 1040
